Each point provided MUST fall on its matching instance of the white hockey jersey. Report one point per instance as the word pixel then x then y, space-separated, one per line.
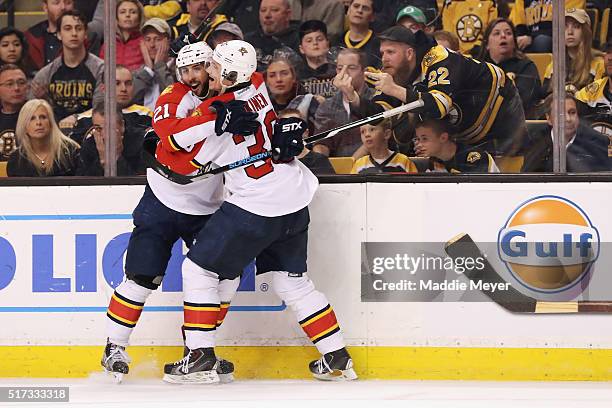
pixel 262 188
pixel 174 105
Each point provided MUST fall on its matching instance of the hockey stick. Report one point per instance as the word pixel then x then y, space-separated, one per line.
pixel 221 8
pixel 208 171
pixel 512 300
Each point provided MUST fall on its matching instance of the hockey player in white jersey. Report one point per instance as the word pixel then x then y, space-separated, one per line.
pixel 265 217
pixel 165 213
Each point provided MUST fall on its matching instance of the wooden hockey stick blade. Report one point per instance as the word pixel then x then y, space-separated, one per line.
pixel 462 246
pixel 379 116
pixel 512 300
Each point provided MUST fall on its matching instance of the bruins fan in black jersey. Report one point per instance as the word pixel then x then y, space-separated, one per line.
pixel 478 100
pixel 432 140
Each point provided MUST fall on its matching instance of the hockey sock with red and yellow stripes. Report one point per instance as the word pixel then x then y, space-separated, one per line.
pixel 201 305
pixel 312 309
pixel 124 310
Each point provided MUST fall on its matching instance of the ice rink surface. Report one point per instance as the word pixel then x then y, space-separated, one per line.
pixel 98 390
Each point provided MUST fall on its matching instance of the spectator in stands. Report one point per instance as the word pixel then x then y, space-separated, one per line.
pixel 412 18
pixel 379 158
pixel 155 75
pixel 316 74
pixel 14 50
pixel 467 20
pixel 586 149
pixel 500 47
pixel 359 35
pixel 335 111
pixel 282 83
pixel 137 118
pixel 93 149
pixel 130 16
pixel 225 32
pixel 597 98
pixel 433 140
pixel 584 65
pixel 447 39
pixel 43 149
pixel 197 11
pixel 533 21
pixel 330 12
pixel 453 86
pixel 69 82
pixel 316 162
pixel 275 31
pixel 287 93
pixel 13 93
pixel 387 11
pixel 44 45
pixel 164 9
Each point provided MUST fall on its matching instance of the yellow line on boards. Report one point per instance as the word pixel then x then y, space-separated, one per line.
pixel 291 362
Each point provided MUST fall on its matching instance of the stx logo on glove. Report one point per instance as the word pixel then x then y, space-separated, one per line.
pixel 290 127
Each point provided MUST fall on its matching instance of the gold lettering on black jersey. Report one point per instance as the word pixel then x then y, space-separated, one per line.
pixel 469 27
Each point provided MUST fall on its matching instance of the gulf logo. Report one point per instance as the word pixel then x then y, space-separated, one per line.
pixel 548 244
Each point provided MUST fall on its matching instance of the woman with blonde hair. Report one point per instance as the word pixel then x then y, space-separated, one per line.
pixel 583 64
pixel 43 149
pixel 130 17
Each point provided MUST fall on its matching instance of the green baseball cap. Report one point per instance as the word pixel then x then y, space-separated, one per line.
pixel 414 13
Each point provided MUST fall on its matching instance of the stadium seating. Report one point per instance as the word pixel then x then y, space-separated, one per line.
pixel 604 26
pixel 342 165
pixel 541 61
pixel 508 164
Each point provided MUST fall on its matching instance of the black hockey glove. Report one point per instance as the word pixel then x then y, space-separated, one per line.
pixel 232 117
pixel 287 141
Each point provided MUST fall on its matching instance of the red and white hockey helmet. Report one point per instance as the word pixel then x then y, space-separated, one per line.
pixel 190 54
pixel 238 60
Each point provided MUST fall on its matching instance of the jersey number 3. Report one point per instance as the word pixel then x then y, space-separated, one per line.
pixel 256 172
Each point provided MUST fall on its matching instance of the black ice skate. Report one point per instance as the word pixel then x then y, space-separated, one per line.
pixel 199 366
pixel 225 368
pixel 115 360
pixel 334 366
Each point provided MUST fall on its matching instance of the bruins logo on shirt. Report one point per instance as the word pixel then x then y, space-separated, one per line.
pixel 593 88
pixel 473 157
pixel 7 142
pixel 469 27
pixel 603 128
pixel 168 89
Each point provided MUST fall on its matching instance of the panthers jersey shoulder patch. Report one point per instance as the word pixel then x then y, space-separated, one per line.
pixel 168 89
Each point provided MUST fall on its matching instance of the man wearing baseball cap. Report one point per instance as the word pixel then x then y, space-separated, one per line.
pixel 225 32
pixel 412 18
pixel 155 75
pixel 597 96
pixel 480 103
